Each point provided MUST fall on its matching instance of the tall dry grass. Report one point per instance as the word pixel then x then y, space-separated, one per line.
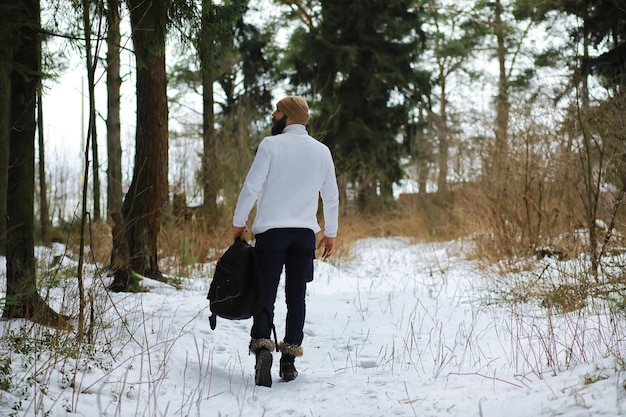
pixel 187 240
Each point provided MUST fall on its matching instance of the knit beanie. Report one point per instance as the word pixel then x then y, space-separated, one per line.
pixel 295 108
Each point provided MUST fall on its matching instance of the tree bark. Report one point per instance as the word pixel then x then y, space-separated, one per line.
pixel 123 278
pixel 207 65
pixel 6 57
pixel 44 211
pixel 148 192
pixel 22 298
pixel 115 194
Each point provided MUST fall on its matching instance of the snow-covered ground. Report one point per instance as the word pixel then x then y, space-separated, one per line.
pixel 400 329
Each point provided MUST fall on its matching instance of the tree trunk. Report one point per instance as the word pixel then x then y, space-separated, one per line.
pixel 120 255
pixel 148 192
pixel 91 126
pixel 207 65
pixel 442 180
pixel 422 152
pixel 44 211
pixel 22 299
pixel 115 194
pixel 6 57
pixel 123 278
pixel 584 81
pixel 502 100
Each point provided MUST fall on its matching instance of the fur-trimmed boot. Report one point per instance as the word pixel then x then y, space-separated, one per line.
pixel 289 352
pixel 263 349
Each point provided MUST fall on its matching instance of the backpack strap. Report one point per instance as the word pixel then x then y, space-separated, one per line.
pixel 275 338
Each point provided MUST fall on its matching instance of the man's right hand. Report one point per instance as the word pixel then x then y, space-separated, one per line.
pixel 328 243
pixel 238 231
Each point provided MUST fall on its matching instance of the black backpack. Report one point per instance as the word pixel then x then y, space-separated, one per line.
pixel 232 293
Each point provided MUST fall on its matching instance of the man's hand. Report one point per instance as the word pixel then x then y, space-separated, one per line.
pixel 238 231
pixel 328 243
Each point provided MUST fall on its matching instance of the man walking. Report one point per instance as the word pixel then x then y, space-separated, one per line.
pixel 291 170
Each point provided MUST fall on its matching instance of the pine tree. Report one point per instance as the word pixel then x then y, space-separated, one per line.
pixel 356 65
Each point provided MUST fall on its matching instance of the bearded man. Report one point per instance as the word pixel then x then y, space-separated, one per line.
pixel 290 171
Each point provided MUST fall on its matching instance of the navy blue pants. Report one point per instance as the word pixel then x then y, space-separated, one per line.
pixel 293 248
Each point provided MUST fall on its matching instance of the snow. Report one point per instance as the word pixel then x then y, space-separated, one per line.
pixel 398 329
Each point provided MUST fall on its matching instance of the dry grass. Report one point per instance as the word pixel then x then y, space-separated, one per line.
pixel 419 223
pixel 187 242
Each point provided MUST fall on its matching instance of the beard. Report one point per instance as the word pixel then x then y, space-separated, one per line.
pixel 279 125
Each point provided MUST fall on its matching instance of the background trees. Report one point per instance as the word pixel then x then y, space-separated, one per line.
pixel 454 37
pixel 453 95
pixel 217 53
pixel 597 133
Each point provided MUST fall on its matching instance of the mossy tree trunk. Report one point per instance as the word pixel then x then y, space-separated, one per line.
pixel 124 280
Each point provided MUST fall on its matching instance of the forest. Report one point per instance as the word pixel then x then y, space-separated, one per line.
pixel 502 122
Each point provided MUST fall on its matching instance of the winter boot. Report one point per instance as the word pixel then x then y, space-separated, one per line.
pixel 262 348
pixel 288 370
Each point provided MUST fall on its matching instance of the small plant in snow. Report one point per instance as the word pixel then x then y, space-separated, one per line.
pixel 6 377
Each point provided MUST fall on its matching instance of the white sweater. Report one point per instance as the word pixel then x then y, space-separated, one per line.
pixel 289 173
